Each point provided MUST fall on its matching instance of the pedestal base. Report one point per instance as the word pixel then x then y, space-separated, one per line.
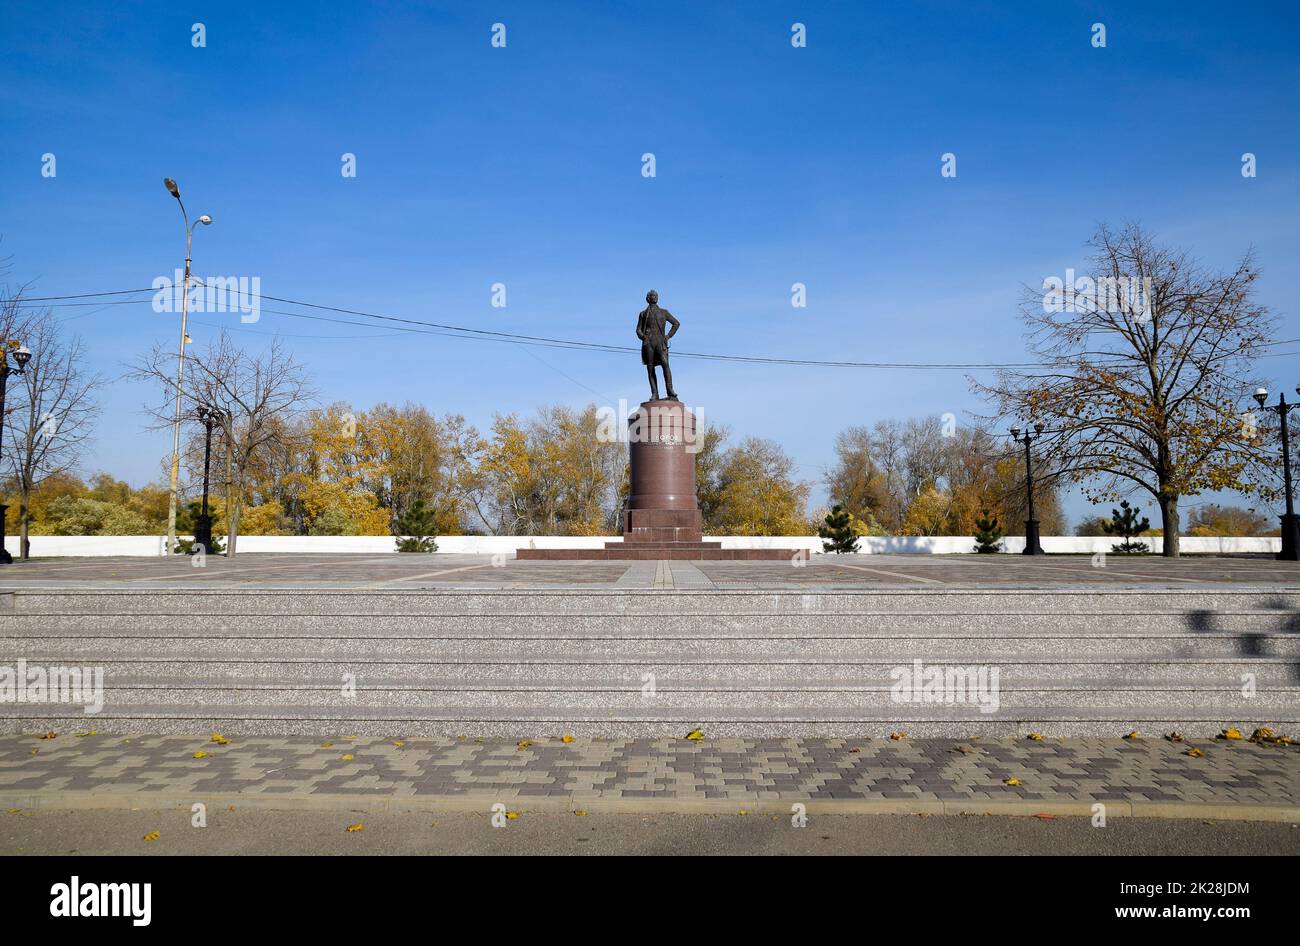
pixel 646 551
pixel 5 557
pixel 662 519
pixel 1290 539
pixel 1032 545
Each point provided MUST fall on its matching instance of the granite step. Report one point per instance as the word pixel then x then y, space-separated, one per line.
pixel 757 720
pixel 210 619
pixel 793 649
pixel 1043 606
pixel 1208 673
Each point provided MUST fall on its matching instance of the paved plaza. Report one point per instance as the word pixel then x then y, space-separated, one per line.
pixel 755 671
pixel 1227 779
pixel 396 572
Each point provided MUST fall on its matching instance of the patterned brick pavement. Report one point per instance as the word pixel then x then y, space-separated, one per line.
pixel 921 773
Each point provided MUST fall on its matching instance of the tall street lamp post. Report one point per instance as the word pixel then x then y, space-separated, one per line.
pixel 1290 526
pixel 211 417
pixel 21 356
pixel 1032 546
pixel 180 365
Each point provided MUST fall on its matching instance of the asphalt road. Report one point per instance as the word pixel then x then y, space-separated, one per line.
pixel 308 832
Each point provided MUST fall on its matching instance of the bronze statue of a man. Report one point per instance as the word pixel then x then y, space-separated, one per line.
pixel 650 325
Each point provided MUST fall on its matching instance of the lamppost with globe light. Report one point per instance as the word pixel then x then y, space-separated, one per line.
pixel 1032 546
pixel 21 356
pixel 1290 527
pixel 180 364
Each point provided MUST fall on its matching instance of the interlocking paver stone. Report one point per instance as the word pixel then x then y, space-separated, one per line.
pixel 1066 770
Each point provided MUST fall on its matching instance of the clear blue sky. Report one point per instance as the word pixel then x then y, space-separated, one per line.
pixel 522 165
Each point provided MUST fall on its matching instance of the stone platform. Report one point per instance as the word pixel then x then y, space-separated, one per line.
pixel 659 551
pixel 662 519
pixel 475 645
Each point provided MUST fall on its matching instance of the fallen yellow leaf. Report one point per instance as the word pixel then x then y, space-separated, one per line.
pixel 1011 781
pixel 93 732
pixel 49 735
pixel 200 754
pixel 1174 737
pixel 354 828
pixel 220 739
pixel 695 735
pixel 566 739
pixel 1133 735
pixel 580 812
pixel 512 815
pixel 1036 736
pixel 1231 733
pixel 327 745
pixel 898 736
pixel 1195 753
pixel 346 758
pixel 399 743
pixel 152 836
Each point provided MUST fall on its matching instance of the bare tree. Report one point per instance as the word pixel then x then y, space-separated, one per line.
pixel 1145 367
pixel 49 408
pixel 261 395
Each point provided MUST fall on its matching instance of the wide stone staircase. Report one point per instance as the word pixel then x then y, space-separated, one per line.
pixel 654 663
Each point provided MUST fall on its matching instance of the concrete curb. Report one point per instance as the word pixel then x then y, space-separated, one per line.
pixel 483 801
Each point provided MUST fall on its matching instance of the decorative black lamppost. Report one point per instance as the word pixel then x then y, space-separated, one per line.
pixel 1032 546
pixel 211 417
pixel 21 357
pixel 1290 527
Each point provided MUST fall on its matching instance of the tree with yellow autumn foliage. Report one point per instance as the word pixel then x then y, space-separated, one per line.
pixel 1144 368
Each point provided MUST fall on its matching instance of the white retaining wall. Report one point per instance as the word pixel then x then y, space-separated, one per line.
pixel 146 545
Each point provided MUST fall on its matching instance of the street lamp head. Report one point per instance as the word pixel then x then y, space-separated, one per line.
pixel 1038 428
pixel 22 355
pixel 205 220
pixel 172 188
pixel 1015 432
pixel 1261 395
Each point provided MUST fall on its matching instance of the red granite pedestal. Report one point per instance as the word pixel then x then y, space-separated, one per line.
pixel 662 517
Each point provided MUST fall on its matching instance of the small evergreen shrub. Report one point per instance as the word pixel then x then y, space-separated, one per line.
pixel 416 528
pixel 838 533
pixel 1124 522
pixel 988 533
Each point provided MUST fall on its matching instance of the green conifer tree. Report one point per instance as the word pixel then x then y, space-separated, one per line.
pixel 988 533
pixel 1125 522
pixel 838 533
pixel 416 528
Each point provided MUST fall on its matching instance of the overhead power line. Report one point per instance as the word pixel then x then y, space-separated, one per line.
pixel 461 331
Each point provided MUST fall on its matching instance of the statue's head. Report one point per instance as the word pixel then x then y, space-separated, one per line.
pixel 652 297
